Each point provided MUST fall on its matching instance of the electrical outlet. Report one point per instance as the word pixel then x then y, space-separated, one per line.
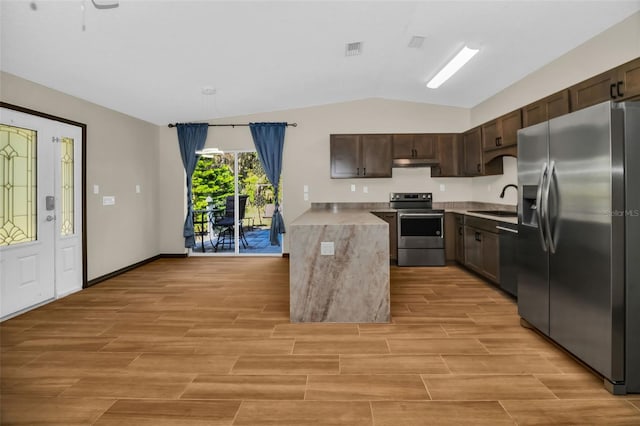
pixel 305 188
pixel 327 248
pixel 442 187
pixel 353 187
pixel 108 200
pixel 137 189
pixel 306 196
pixel 96 189
pixel 365 189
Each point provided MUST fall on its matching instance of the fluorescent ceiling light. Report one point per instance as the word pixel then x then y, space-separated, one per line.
pixel 452 67
pixel 209 152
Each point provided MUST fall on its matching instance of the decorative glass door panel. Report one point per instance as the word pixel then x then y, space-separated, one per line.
pixel 67 187
pixel 18 184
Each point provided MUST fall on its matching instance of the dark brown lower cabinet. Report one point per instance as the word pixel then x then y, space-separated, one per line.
pixel 482 247
pixel 392 219
pixel 459 238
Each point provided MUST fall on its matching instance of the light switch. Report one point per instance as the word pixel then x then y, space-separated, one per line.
pixel 137 189
pixel 96 189
pixel 306 196
pixel 108 200
pixel 327 248
pixel 305 188
pixel 353 187
pixel 442 187
pixel 365 189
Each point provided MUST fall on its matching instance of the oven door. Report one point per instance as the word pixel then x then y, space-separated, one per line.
pixel 420 230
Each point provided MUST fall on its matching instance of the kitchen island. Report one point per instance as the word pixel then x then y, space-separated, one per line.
pixel 352 284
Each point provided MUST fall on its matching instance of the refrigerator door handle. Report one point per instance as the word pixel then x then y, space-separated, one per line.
pixel 539 207
pixel 551 244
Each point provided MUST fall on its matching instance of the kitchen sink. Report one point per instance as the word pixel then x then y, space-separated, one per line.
pixel 495 213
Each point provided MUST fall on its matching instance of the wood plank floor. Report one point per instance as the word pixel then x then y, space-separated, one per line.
pixel 207 341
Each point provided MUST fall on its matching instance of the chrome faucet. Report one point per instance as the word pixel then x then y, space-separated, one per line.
pixel 505 188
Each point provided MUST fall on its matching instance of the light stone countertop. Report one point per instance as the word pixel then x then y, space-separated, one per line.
pixel 339 217
pixel 506 219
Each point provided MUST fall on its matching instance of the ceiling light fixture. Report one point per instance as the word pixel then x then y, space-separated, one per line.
pixel 105 4
pixel 208 90
pixel 452 67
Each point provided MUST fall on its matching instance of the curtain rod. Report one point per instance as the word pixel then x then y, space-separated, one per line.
pixel 233 125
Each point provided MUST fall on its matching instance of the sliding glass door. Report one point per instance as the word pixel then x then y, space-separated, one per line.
pixel 220 183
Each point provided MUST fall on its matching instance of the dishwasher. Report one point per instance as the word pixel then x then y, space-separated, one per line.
pixel 508 257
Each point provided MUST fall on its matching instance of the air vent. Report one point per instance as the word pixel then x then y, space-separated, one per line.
pixel 416 42
pixel 353 49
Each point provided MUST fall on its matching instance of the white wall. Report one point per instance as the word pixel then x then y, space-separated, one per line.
pixel 306 156
pixel 121 152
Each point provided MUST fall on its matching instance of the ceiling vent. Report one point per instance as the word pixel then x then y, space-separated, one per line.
pixel 353 49
pixel 416 42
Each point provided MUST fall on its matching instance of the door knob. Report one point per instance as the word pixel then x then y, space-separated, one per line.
pixel 50 218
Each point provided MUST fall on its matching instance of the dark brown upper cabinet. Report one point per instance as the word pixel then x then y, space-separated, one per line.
pixel 545 109
pixel 618 84
pixel 419 148
pixel 474 163
pixel 449 155
pixel 502 132
pixel 360 156
pixel 472 152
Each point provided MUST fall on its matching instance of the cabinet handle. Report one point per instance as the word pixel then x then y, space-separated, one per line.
pixel 478 167
pixel 364 172
pixel 478 236
pixel 358 171
pixel 499 141
pixel 611 94
pixel 459 231
pixel 618 89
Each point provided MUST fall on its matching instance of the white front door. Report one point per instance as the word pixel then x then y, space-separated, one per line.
pixel 40 210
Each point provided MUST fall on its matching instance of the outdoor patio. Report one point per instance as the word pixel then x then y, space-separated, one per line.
pixel 257 243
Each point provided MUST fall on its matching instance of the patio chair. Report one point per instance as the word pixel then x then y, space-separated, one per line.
pixel 226 224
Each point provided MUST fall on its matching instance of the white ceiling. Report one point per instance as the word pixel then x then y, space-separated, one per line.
pixel 151 59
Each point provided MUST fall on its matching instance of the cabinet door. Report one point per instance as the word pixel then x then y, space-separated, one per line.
pixel 448 151
pixel 402 146
pixel 629 77
pixel 557 104
pixel 345 156
pixel 490 135
pixel 424 145
pixel 473 248
pixel 472 147
pixel 491 256
pixel 459 242
pixel 509 126
pixel 376 156
pixel 594 90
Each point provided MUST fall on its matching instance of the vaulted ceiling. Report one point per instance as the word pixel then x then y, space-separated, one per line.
pixel 152 59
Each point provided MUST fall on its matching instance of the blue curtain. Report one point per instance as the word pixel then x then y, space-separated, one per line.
pixel 269 141
pixel 191 138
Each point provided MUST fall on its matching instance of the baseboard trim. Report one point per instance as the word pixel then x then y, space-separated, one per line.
pixel 134 266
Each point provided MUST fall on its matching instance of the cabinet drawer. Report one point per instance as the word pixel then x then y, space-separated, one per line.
pixel 481 223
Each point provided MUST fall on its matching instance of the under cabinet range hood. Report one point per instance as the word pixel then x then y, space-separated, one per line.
pixel 415 162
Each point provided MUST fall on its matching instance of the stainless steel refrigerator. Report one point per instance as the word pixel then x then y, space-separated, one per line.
pixel 579 237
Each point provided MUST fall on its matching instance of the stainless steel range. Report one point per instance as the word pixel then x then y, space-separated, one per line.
pixel 420 229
